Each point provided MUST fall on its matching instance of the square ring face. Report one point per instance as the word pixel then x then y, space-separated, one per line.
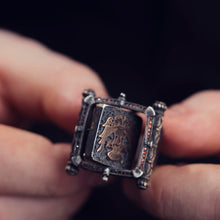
pixel 112 136
pixel 106 138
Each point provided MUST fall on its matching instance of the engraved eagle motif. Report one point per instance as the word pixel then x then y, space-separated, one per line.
pixel 115 136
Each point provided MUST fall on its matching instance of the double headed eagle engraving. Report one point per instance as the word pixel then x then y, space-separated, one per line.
pixel 115 136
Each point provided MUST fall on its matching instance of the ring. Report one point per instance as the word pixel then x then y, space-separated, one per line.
pixel 109 138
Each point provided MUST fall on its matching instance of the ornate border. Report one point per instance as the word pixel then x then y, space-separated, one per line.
pixel 149 143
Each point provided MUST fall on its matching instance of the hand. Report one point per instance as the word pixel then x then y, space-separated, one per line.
pixel 39 84
pixel 191 129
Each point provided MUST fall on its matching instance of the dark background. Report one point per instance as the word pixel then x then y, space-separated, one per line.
pixel 150 50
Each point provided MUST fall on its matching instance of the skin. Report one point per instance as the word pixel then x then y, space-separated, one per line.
pixel 37 84
pixel 191 191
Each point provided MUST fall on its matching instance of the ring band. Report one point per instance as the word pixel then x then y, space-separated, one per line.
pixel 108 138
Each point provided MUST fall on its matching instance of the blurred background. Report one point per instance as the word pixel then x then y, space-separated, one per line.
pixel 150 50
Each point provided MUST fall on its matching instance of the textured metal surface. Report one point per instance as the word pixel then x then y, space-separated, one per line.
pixel 116 133
pixel 107 141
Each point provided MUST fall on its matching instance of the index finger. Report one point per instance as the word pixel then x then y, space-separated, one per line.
pixel 191 128
pixel 39 83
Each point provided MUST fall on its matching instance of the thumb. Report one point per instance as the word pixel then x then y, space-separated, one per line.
pixel 191 128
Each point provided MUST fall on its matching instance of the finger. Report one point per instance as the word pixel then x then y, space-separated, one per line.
pixel 31 165
pixel 25 208
pixel 181 192
pixel 191 128
pixel 39 83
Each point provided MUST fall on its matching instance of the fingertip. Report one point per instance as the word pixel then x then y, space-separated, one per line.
pixel 62 103
pixel 191 127
pixel 189 133
pixel 176 131
pixel 62 106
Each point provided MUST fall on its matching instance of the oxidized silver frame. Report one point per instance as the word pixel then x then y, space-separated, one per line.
pixel 146 152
